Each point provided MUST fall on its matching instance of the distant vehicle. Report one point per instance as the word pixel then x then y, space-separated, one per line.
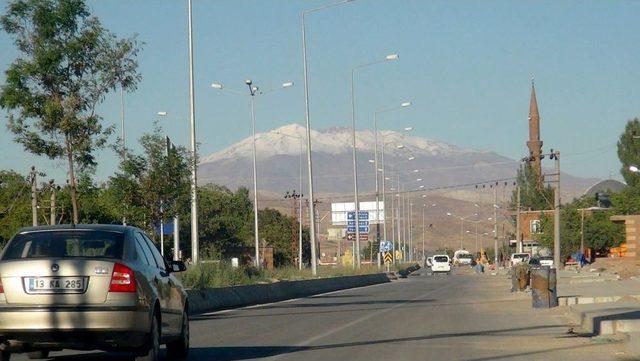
pixel 441 264
pixel 429 261
pixel 462 257
pixel 518 258
pixel 534 262
pixel 88 287
pixel 546 261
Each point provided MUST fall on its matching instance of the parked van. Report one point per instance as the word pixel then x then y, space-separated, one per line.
pixel 462 257
pixel 441 264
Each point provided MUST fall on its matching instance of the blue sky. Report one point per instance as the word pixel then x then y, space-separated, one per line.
pixel 465 65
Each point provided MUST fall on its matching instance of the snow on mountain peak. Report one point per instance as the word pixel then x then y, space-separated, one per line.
pixel 286 140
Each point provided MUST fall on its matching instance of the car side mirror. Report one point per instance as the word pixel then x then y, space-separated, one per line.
pixel 178 266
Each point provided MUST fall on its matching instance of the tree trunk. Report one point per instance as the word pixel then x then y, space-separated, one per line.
pixel 72 182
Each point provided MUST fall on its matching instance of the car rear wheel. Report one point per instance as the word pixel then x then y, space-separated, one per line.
pixel 37 355
pixel 152 351
pixel 179 348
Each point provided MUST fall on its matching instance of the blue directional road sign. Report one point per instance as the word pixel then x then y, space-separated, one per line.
pixel 363 215
pixel 386 246
pixel 351 223
pixel 352 229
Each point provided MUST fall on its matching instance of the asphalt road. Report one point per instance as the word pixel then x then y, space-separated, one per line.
pixel 457 317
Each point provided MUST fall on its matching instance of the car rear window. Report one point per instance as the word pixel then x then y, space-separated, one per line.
pixel 520 255
pixel 65 244
pixel 441 259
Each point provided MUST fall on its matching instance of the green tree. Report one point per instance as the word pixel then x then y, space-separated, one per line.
pixel 152 185
pixel 226 217
pixel 68 64
pixel 629 151
pixel 15 204
pixel 533 196
pixel 275 229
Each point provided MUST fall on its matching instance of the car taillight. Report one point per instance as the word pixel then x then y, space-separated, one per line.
pixel 1 288
pixel 122 279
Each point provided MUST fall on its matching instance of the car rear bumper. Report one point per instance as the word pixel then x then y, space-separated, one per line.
pixel 97 327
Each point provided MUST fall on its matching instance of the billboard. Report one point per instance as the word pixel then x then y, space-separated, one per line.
pixel 340 211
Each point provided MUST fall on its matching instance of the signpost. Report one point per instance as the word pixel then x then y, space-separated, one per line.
pixel 363 225
pixel 388 258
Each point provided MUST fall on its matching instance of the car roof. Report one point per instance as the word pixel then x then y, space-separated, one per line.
pixel 93 227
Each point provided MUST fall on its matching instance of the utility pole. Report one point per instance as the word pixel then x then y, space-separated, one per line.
pixel 296 247
pixel 34 196
pixel 556 212
pixel 53 203
pixel 495 225
pixel 518 233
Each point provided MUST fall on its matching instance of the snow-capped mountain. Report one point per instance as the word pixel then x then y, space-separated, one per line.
pixel 286 141
pixel 436 163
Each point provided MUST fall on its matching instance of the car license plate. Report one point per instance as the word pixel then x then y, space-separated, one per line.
pixel 55 284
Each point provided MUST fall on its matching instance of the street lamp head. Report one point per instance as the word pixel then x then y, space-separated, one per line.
pixel 216 85
pixel 248 82
pixel 433 205
pixel 416 170
pixel 254 89
pixel 419 180
pixel 634 169
pixel 449 214
pixel 162 114
pixel 405 104
pixel 392 57
pixel 287 84
pixel 400 146
pixel 371 161
pixel 408 129
pixel 412 158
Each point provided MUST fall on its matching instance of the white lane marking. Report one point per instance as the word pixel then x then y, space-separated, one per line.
pixel 313 339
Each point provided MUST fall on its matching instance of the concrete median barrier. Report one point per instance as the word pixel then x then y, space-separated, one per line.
pixel 213 299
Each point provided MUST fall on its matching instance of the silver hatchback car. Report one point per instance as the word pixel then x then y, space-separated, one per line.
pixel 87 287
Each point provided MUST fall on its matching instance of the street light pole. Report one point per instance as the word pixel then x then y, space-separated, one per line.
pixel 194 165
pixel 355 156
pixel 556 212
pixel 305 65
pixel 424 232
pixel 375 157
pixel 252 90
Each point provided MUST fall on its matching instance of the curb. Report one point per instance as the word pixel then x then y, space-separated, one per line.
pixel 215 299
pixel 579 300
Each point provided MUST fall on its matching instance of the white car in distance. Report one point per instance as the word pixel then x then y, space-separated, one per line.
pixel 517 258
pixel 441 264
pixel 546 261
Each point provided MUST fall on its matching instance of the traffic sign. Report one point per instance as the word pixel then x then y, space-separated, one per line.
pixel 388 258
pixel 386 246
pixel 352 229
pixel 362 215
pixel 351 223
